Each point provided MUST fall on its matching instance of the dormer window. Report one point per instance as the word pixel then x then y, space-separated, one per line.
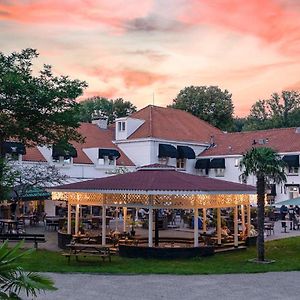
pixel 121 126
pixel 63 153
pixel 14 150
pixel 108 157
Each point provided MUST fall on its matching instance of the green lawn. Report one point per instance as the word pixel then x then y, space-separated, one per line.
pixel 286 252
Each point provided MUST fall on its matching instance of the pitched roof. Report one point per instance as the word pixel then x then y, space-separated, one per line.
pixel 33 154
pixel 172 124
pixel 280 139
pixel 96 137
pixel 152 180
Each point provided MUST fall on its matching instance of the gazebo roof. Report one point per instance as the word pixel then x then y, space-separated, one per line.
pixel 157 179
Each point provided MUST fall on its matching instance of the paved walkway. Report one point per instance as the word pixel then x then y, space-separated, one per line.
pixel 268 286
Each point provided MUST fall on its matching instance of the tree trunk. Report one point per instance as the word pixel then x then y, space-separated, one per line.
pixel 260 185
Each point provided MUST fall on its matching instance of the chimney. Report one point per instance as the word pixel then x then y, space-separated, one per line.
pixel 100 119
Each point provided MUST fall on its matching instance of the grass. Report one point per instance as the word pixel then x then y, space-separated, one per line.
pixel 286 252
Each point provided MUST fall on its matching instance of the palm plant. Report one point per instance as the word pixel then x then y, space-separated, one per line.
pixel 14 280
pixel 267 166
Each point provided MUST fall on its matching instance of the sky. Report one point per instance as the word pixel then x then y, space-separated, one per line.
pixel 148 50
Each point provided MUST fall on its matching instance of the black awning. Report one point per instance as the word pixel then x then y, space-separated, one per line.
pixel 202 163
pixel 291 160
pixel 185 152
pixel 110 153
pixel 66 150
pixel 14 147
pixel 166 150
pixel 217 163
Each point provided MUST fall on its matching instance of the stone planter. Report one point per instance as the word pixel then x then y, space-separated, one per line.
pixel 63 239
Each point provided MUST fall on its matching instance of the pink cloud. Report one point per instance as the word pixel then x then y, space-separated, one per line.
pixel 269 20
pixel 111 13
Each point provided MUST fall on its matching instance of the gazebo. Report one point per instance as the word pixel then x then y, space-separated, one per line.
pixel 159 187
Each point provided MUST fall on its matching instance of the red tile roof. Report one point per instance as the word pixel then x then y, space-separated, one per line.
pixel 172 124
pixel 158 180
pixel 33 154
pixel 280 139
pixel 96 137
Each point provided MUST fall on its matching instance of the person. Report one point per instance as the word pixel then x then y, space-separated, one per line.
pixel 283 213
pixel 292 217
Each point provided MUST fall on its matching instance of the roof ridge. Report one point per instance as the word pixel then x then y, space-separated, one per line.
pixel 260 130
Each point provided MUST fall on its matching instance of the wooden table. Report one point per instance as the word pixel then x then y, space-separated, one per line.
pixel 85 250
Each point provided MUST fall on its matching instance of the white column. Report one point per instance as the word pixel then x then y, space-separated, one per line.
pixel 236 229
pixel 103 225
pixel 124 218
pixel 77 218
pixel 69 218
pixel 243 218
pixel 204 220
pixel 196 228
pixel 150 228
pixel 219 226
pixel 248 220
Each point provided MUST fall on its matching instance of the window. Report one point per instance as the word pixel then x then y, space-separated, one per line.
pixel 293 192
pixel 62 160
pixel 121 126
pixel 107 161
pixel 180 163
pixel 219 172
pixel 163 160
pixel 13 156
pixel 293 170
pixel 201 172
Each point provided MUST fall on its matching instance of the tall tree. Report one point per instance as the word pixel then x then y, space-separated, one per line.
pixel 111 108
pixel 36 109
pixel 281 110
pixel 267 166
pixel 208 103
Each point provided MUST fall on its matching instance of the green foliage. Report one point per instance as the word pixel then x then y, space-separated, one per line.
pixel 208 103
pixel 36 109
pixel 14 280
pixel 263 162
pixel 284 251
pixel 111 108
pixel 6 180
pixel 277 112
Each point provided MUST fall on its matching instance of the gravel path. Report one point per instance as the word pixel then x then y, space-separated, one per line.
pixel 274 285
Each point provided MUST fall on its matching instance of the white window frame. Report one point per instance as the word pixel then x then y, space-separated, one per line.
pixel 293 171
pixel 121 126
pixel 181 163
pixel 219 172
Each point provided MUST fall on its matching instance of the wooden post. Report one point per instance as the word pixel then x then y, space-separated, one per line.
pixel 204 221
pixel 156 229
pixel 243 218
pixel 150 227
pixel 77 218
pixel 69 218
pixel 124 218
pixel 103 225
pixel 248 220
pixel 219 235
pixel 196 228
pixel 236 229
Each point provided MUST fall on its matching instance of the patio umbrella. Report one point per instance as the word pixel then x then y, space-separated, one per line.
pixel 293 201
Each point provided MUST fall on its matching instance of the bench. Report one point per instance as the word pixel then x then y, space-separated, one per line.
pixel 87 254
pixel 26 237
pixel 87 250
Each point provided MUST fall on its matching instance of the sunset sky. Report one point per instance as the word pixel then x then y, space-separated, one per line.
pixel 134 48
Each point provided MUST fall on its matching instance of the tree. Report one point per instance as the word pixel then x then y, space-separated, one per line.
pixel 14 280
pixel 27 177
pixel 208 103
pixel 267 166
pixel 277 112
pixel 36 109
pixel 111 108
